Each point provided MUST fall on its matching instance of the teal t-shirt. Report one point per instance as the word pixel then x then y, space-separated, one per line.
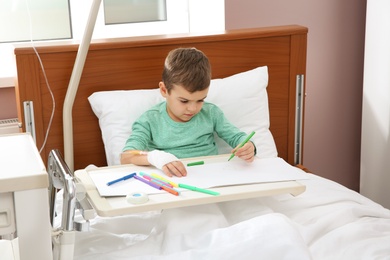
pixel 155 130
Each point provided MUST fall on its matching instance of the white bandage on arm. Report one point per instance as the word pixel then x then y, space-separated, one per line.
pixel 160 158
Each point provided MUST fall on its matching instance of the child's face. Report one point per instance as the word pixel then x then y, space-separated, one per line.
pixel 181 104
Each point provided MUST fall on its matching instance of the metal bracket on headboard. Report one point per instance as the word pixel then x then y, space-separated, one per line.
pixel 29 120
pixel 299 119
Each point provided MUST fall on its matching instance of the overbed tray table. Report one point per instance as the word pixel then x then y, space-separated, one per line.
pixel 115 206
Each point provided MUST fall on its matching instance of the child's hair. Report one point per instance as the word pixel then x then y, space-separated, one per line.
pixel 187 67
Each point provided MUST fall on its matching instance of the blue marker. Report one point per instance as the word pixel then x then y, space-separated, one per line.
pixel 121 179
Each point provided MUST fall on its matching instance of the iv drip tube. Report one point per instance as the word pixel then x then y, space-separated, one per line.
pixel 74 84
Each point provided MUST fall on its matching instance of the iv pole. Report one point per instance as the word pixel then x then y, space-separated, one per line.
pixel 64 248
pixel 74 81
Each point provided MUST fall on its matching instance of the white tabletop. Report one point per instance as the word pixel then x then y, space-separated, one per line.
pixel 115 206
pixel 21 166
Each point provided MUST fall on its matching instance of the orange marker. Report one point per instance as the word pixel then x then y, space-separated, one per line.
pixel 172 191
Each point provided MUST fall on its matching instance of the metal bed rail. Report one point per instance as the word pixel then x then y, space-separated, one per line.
pixel 74 198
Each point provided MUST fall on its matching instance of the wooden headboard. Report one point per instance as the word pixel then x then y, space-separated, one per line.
pixel 137 62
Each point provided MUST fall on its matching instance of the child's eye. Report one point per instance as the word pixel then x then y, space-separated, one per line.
pixel 200 101
pixel 184 101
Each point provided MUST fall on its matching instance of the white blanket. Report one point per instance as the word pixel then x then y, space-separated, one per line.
pixel 327 221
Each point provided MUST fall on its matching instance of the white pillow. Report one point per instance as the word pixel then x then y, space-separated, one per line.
pixel 242 97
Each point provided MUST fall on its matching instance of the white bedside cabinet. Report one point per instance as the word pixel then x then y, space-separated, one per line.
pixel 24 202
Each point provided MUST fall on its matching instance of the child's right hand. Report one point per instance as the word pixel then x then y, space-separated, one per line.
pixel 175 168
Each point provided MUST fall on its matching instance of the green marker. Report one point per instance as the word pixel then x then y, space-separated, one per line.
pixel 242 144
pixel 193 188
pixel 195 163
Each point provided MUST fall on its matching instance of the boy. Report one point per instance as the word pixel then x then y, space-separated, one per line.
pixel 183 125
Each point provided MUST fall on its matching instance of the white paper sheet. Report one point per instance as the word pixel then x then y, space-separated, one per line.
pixel 209 175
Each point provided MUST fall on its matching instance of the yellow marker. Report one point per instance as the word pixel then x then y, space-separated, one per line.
pixel 163 179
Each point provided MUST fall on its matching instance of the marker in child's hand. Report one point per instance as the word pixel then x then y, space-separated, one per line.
pixel 195 163
pixel 242 144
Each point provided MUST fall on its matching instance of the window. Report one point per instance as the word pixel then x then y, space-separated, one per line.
pixel 134 11
pixel 182 16
pixel 176 21
pixel 34 19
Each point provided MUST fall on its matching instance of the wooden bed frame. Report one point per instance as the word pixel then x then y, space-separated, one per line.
pixel 136 63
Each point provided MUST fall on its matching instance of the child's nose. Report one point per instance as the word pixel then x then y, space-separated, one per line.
pixel 191 107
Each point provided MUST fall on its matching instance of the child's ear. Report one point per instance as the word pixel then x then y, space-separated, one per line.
pixel 163 89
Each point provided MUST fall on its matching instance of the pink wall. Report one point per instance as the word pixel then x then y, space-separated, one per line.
pixel 334 76
pixel 8 103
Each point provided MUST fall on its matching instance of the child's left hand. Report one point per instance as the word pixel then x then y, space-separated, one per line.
pixel 246 153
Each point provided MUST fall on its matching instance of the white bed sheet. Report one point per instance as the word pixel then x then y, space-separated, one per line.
pixel 327 221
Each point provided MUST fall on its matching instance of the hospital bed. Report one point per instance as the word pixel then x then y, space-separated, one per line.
pixel 312 218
